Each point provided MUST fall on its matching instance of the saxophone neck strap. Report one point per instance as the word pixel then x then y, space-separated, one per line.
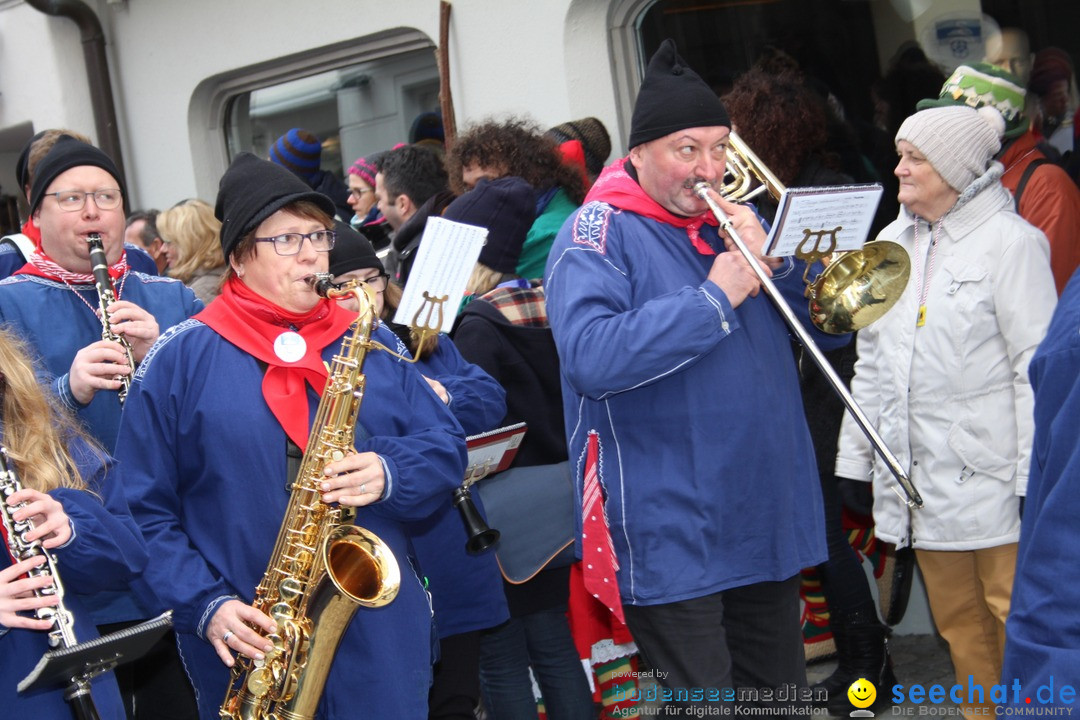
pixel 294 456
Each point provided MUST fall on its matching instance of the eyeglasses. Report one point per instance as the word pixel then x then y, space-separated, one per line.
pixel 74 200
pixel 377 282
pixel 290 243
pixel 357 192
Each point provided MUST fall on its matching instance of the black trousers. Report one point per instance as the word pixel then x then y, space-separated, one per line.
pixel 155 687
pixel 744 638
pixel 455 687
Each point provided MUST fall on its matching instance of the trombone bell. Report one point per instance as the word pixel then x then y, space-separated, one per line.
pixel 858 287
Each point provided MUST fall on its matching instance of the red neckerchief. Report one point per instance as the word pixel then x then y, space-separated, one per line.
pixel 32 231
pixel 616 187
pixel 252 323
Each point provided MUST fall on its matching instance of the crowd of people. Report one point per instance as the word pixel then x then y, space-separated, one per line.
pixel 706 465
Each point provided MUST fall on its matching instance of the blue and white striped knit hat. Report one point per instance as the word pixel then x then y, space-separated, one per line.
pixel 299 151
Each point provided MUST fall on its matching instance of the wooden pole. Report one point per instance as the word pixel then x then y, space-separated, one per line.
pixel 446 99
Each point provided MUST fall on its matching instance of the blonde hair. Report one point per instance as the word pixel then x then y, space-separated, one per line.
pixel 35 427
pixel 484 279
pixel 193 229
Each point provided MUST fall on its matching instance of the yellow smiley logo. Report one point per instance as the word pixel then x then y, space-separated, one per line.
pixel 862 693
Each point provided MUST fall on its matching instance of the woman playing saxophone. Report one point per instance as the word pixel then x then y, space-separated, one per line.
pixel 205 439
pixel 62 493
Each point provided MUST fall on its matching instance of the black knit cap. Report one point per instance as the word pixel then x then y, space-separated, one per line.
pixel 70 153
pixel 673 97
pixel 252 190
pixel 22 165
pixel 507 208
pixel 352 251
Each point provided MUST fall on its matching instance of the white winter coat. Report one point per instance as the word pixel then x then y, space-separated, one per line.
pixel 951 399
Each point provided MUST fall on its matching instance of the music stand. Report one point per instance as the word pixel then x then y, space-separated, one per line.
pixel 73 667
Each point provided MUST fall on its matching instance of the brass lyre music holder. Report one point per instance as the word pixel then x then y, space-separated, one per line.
pixel 422 329
pixel 811 254
pixel 477 472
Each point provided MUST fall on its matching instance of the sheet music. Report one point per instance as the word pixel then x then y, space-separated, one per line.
pixel 494 450
pixel 816 216
pixel 448 252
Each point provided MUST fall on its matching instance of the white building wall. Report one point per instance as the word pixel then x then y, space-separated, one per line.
pixel 505 57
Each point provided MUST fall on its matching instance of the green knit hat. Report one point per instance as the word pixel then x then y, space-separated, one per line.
pixel 984 84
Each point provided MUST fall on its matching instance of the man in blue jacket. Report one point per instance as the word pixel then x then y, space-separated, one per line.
pixel 52 302
pixel 683 410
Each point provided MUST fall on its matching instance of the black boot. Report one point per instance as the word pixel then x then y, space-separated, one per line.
pixel 862 644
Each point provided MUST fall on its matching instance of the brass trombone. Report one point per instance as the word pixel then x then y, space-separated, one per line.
pixel 858 287
pixel 745 166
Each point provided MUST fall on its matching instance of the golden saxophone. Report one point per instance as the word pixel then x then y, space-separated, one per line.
pixel 106 297
pixel 62 633
pixel 323 567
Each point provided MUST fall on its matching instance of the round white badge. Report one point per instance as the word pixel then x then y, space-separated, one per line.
pixel 290 346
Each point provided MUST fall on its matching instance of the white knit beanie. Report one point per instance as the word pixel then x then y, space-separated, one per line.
pixel 959 142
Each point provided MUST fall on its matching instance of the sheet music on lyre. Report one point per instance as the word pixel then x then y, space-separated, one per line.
pixel 448 252
pixel 823 219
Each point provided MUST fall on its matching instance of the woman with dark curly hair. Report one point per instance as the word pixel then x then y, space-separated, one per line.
pixel 784 121
pixel 519 147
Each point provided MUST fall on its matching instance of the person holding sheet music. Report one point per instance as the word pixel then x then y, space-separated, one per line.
pixel 466 590
pixel 682 406
pixel 943 376
pixel 504 330
pixel 78 515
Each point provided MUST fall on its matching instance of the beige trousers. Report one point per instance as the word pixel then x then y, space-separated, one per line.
pixel 969 594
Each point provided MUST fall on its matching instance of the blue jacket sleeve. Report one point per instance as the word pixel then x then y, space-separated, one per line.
pixel 146 448
pixel 107 550
pixel 608 343
pixel 425 459
pixel 477 400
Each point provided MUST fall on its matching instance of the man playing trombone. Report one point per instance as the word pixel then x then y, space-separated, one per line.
pixel 683 408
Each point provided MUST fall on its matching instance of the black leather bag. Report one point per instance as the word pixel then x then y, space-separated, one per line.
pixel 533 509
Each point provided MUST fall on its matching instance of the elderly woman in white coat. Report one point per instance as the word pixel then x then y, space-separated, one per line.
pixel 943 376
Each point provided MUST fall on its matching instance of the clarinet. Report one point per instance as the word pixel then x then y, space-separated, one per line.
pixel 62 633
pixel 107 296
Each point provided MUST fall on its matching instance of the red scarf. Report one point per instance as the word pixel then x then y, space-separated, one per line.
pixel 252 323
pixel 30 230
pixel 615 187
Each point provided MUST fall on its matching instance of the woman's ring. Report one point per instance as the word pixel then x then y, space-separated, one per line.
pixel 225 638
pixel 363 488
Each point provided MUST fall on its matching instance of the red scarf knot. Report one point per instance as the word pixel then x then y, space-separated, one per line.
pixel 293 357
pixel 615 187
